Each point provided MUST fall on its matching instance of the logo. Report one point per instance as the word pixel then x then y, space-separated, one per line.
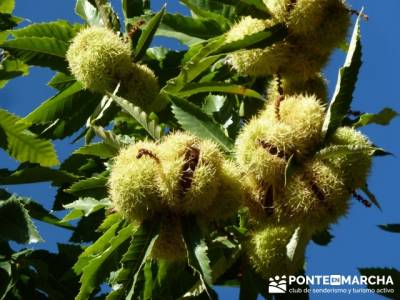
pixel 335 280
pixel 277 285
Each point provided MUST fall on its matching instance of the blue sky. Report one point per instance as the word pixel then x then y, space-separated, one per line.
pixel 358 242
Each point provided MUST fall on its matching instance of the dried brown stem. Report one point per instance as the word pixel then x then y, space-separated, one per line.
pixel 192 156
pixel 144 152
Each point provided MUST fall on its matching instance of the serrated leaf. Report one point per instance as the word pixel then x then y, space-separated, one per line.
pixel 212 10
pixel 218 269
pixel 187 29
pixel 380 286
pixel 109 138
pixel 343 150
pixel 11 68
pixel 202 55
pixel 222 87
pixel 384 117
pixel 154 130
pixel 84 207
pixel 88 12
pixel 213 104
pixel 101 150
pixel 133 8
pixel 189 72
pixel 16 223
pixel 108 16
pixel 38 212
pixel 24 145
pixel 147 34
pixel 39 51
pixel 109 221
pixel 193 119
pixel 58 117
pixel 98 247
pixel 345 86
pixel 260 39
pixel 7 21
pixel 60 30
pixel 296 248
pixel 61 81
pixel 95 187
pixel 133 261
pixel 56 106
pixel 391 227
pixel 371 197
pixel 197 248
pixel 36 174
pixel 94 271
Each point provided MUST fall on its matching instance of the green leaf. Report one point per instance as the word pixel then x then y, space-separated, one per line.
pixel 212 10
pixel 88 12
pixel 7 21
pixel 384 117
pixel 147 34
pixel 154 130
pixel 108 16
pixel 193 119
pixel 98 247
pixel 371 197
pixel 197 248
pixel 142 243
pixel 343 95
pixel 11 68
pixel 42 44
pixel 25 146
pixel 36 174
pixel 343 150
pixel 84 207
pixel 189 72
pixel 213 104
pixel 109 138
pixel 16 223
pixel 296 248
pixel 322 238
pixel 214 6
pixel 260 39
pixel 3 139
pixel 109 221
pixel 95 187
pixel 134 8
pixel 7 6
pixel 58 115
pixel 393 273
pixel 56 106
pixel 199 57
pixel 96 268
pixel 259 4
pixel 39 51
pixel 391 227
pixel 38 212
pixel 61 81
pixel 60 30
pixel 101 150
pixel 209 87
pixel 187 29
